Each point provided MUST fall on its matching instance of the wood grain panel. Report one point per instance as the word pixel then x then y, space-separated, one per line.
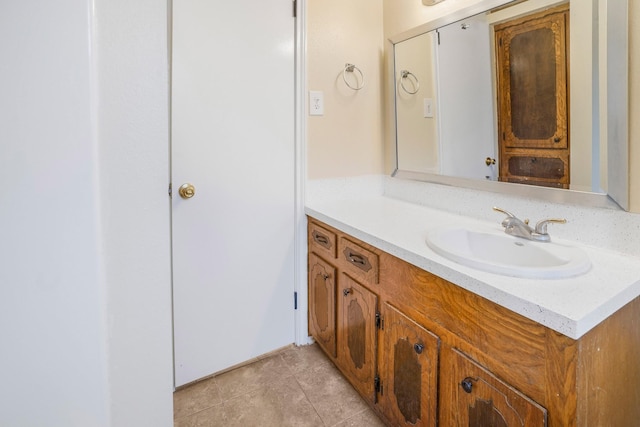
pixel 322 240
pixel 409 370
pixel 478 397
pixel 322 303
pixel 608 371
pixel 357 334
pixel 560 361
pixel 361 262
pixel 513 345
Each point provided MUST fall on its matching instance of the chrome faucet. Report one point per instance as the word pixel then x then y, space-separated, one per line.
pixel 519 228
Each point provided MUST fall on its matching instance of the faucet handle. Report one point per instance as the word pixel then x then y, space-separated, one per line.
pixel 507 213
pixel 541 226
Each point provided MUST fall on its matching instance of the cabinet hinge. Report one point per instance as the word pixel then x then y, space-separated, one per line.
pixel 377 385
pixel 295 300
pixel 295 8
pixel 379 321
pixel 170 190
pixel 438 35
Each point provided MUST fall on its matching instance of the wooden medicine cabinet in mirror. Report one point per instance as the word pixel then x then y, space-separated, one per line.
pixel 497 99
pixel 533 105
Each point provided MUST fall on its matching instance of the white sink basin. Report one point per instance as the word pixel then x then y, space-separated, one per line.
pixel 508 255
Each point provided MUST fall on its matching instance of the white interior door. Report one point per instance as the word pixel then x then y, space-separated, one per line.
pixel 467 108
pixel 233 139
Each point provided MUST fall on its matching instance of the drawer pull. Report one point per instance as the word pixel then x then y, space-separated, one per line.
pixel 321 239
pixel 418 348
pixel 467 384
pixel 346 292
pixel 358 260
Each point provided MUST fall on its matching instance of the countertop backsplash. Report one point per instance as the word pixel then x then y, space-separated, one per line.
pixel 610 229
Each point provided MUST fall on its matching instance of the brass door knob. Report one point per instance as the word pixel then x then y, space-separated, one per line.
pixel 187 191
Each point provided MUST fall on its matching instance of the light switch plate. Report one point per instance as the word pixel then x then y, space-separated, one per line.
pixel 428 107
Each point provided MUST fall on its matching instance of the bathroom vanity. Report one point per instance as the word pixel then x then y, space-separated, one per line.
pixel 473 350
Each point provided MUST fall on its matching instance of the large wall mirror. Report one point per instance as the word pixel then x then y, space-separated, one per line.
pixel 527 97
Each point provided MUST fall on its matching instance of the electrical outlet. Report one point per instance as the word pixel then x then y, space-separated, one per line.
pixel 316 103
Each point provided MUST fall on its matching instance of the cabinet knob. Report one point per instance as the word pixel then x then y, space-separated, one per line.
pixel 418 348
pixel 467 384
pixel 346 292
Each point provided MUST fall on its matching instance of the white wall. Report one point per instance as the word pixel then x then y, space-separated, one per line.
pixel 84 253
pixel 52 307
pixel 133 149
pixel 347 139
pixel 634 106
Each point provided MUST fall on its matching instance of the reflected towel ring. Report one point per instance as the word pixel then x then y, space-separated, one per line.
pixel 404 74
pixel 350 68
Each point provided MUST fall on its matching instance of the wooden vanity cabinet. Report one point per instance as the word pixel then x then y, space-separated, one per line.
pixel 425 352
pixel 343 305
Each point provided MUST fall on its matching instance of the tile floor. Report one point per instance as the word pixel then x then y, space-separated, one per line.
pixel 298 386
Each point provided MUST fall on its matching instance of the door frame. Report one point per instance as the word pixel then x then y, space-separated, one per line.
pixel 300 245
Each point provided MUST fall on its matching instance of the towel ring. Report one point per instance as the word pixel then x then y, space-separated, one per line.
pixel 350 68
pixel 404 74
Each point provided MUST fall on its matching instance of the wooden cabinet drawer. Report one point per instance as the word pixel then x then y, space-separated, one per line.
pixel 322 241
pixel 359 261
pixel 548 168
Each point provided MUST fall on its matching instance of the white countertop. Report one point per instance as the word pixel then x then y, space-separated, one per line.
pixel 570 306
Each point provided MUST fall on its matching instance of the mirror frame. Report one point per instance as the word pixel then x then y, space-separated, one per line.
pixel 617 116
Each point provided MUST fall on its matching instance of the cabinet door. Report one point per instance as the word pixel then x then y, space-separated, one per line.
pixel 532 80
pixel 322 303
pixel 357 335
pixel 409 386
pixel 473 397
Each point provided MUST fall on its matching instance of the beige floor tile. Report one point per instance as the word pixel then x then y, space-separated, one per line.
pixel 279 404
pixel 250 377
pixel 366 418
pixel 332 396
pixel 298 387
pixel 211 417
pixel 195 398
pixel 303 358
